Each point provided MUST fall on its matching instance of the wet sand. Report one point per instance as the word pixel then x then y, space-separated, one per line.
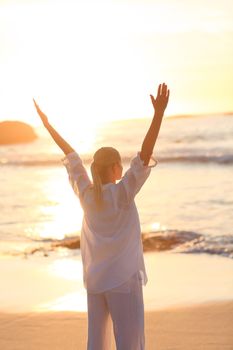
pixel 205 326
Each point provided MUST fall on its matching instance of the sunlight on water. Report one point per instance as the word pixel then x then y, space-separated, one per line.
pixel 59 226
pixel 61 214
pixel 154 227
pixel 157 226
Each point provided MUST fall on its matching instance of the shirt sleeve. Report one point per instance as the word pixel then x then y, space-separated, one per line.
pixel 77 173
pixel 134 178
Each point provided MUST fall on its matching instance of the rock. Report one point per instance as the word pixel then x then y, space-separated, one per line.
pixel 16 132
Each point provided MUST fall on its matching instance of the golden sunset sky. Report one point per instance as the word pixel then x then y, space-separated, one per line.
pixel 85 61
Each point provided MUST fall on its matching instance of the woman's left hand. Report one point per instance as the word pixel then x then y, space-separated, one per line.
pixel 161 101
pixel 43 117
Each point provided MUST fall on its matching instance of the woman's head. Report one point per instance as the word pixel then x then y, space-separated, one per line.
pixel 105 168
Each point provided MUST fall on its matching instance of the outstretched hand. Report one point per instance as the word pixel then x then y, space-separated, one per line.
pixel 43 117
pixel 161 101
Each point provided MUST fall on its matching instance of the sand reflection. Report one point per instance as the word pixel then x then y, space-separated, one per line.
pixel 71 270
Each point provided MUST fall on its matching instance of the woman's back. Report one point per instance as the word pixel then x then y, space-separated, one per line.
pixel 111 244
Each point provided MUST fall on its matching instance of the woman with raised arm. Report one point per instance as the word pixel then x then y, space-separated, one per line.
pixel 111 245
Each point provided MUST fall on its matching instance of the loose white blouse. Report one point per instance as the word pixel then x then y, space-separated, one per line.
pixel 110 242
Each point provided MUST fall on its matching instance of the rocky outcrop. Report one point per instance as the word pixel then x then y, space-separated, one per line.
pixel 16 132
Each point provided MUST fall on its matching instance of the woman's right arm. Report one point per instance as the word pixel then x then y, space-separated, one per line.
pixel 159 104
pixel 65 147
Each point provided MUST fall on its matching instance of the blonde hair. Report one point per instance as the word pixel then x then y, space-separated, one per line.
pixel 103 158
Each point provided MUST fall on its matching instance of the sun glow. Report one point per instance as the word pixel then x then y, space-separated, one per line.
pixel 86 61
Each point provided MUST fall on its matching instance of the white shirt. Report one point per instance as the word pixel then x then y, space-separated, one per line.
pixel 110 242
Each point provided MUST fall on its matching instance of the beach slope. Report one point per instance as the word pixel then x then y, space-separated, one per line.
pixel 203 326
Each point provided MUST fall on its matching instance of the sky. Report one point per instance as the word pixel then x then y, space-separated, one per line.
pixel 87 61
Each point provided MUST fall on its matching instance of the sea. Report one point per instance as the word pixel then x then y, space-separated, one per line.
pixel 187 197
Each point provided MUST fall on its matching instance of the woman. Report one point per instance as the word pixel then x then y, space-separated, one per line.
pixel 111 246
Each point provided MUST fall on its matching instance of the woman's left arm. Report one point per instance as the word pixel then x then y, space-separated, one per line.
pixel 65 147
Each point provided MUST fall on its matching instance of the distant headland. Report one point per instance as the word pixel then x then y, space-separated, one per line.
pixel 12 132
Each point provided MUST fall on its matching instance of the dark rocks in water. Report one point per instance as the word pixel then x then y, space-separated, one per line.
pixel 71 243
pixel 152 241
pixel 12 132
pixel 166 240
pixel 177 241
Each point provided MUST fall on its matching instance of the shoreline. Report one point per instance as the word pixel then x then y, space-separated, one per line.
pixel 207 326
pixel 55 283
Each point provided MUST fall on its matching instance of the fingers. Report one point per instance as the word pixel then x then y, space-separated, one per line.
pixel 152 98
pixel 162 90
pixel 38 108
pixel 41 114
pixel 159 90
pixel 36 105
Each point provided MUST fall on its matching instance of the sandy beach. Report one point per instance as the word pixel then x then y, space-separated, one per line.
pixel 203 326
pixel 41 309
pixel 188 303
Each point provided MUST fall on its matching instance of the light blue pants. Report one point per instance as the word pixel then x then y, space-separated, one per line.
pixel 122 308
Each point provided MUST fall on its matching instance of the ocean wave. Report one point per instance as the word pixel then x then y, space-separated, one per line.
pixel 218 159
pixel 223 159
pixel 218 245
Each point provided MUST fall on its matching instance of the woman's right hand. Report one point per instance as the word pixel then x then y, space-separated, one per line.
pixel 43 117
